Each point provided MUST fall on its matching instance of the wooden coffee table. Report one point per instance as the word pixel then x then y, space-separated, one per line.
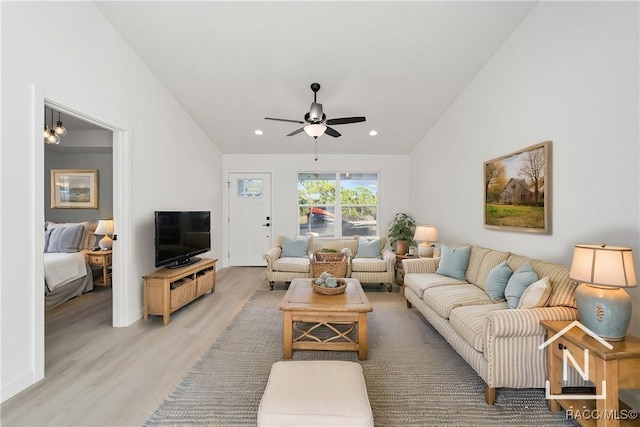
pixel 330 322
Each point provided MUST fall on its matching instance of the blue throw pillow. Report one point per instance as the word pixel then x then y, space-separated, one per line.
pixel 293 247
pixel 368 248
pixel 517 284
pixel 497 281
pixel 454 261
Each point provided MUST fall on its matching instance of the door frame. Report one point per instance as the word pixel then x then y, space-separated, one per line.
pixel 227 209
pixel 122 172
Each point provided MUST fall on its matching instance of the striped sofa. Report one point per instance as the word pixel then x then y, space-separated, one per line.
pixel 366 270
pixel 499 343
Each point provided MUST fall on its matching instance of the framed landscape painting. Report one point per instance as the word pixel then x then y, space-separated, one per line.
pixel 74 188
pixel 518 190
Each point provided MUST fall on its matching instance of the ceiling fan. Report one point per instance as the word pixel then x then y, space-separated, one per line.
pixel 315 121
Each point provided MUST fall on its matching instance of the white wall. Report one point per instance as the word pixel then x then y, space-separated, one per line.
pixel 393 183
pixel 175 166
pixel 568 74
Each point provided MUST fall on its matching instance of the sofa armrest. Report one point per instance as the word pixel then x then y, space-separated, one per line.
pixel 524 322
pixel 420 265
pixel 389 259
pixel 271 256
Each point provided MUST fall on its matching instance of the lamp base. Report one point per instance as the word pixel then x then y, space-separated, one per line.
pixel 425 251
pixel 105 243
pixel 605 311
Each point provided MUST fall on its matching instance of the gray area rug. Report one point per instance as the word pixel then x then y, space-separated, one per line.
pixel 413 377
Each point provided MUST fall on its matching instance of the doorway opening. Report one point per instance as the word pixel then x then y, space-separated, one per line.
pixel 122 314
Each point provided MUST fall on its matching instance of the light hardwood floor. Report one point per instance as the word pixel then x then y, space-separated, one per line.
pixel 96 375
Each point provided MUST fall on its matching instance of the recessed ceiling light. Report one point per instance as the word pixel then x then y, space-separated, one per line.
pixel 373 132
pixel 258 132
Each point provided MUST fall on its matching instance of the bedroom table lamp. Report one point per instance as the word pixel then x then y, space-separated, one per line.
pixel 602 271
pixel 104 228
pixel 427 234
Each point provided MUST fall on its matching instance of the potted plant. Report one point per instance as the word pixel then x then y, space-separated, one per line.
pixel 401 229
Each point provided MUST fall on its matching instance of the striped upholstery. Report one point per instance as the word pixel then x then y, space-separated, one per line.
pixel 516 261
pixel 316 244
pixel 385 276
pixel 285 276
pixel 469 322
pixel 475 261
pixel 474 358
pixel 442 299
pixel 562 288
pixel 512 322
pixel 375 270
pixel 499 343
pixel 368 264
pixel 420 265
pixel 294 265
pixel 490 260
pixel 418 282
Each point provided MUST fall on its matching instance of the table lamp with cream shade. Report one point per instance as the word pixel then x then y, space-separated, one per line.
pixel 602 271
pixel 427 234
pixel 105 228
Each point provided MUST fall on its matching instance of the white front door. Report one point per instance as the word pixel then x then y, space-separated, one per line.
pixel 249 218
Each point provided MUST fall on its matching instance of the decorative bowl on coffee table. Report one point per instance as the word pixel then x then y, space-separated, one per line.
pixel 342 285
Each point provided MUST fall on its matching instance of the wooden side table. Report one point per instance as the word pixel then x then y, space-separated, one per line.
pixel 618 367
pixel 102 259
pixel 400 268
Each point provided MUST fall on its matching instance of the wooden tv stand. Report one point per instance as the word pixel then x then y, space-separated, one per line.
pixel 168 289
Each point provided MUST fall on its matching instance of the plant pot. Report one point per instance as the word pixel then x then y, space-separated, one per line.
pixel 401 247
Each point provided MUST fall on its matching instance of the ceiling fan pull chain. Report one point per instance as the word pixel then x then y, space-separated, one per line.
pixel 316 143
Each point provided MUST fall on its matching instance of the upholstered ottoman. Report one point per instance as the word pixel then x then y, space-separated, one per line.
pixel 315 393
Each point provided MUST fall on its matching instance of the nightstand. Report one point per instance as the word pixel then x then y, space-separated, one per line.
pixel 400 269
pixel 102 259
pixel 610 369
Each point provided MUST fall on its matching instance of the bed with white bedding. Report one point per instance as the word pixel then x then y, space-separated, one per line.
pixel 67 273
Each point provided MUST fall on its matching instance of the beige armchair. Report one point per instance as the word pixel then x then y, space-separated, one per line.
pixel 374 270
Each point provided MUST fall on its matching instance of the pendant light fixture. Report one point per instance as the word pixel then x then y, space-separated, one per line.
pixel 60 130
pixel 50 136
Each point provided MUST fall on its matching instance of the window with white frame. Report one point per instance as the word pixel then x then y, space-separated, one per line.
pixel 338 203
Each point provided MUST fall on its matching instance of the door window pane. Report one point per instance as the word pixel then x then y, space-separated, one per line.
pixel 250 187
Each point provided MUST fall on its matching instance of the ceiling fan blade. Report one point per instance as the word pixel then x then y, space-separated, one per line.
pixel 332 132
pixel 284 120
pixel 345 120
pixel 295 132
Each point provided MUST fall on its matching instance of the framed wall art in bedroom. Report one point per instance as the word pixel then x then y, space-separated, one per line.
pixel 74 188
pixel 518 190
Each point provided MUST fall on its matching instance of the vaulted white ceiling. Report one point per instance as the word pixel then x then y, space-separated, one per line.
pixel 231 64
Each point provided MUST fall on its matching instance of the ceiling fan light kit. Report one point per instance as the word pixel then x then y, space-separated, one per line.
pixel 316 123
pixel 315 130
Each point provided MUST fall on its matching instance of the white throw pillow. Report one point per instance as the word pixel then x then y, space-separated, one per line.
pixel 537 294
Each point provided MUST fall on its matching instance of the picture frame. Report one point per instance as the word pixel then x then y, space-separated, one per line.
pixel 517 190
pixel 74 188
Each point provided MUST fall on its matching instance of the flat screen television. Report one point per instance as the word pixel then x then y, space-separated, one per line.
pixel 180 236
